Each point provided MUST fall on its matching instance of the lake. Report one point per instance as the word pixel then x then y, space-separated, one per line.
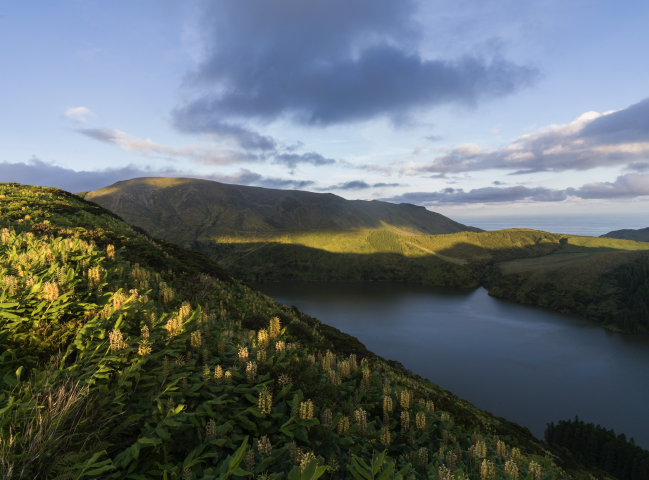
pixel 526 364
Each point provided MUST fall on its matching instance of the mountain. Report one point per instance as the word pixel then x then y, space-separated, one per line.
pixel 640 235
pixel 261 235
pixel 125 356
pixel 187 211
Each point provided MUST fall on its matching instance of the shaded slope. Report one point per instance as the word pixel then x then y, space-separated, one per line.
pixel 639 235
pixel 185 210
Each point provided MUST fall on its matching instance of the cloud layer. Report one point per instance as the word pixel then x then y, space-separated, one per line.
pixel 592 140
pixel 236 145
pixel 38 172
pixel 358 185
pixel 631 185
pixel 326 62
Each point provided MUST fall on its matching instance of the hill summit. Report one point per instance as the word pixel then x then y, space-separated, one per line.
pixel 184 209
pixel 639 235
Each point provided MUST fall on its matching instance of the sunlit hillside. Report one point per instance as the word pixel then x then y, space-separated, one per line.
pixel 124 356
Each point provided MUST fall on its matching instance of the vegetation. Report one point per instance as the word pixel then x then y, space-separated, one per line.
pixel 194 212
pixel 264 235
pixel 639 235
pixel 598 448
pixel 123 356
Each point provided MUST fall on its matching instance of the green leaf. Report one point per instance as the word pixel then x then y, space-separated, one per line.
pixel 309 470
pixel 319 472
pixel 307 423
pixel 376 466
pixel 295 474
pixel 9 380
pixel 239 454
pixel 264 464
pixel 387 472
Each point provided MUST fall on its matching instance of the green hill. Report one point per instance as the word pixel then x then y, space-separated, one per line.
pixel 124 356
pixel 271 235
pixel 194 212
pixel 639 235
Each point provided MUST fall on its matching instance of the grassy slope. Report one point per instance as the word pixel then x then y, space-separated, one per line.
pixel 189 210
pixel 640 235
pixel 98 383
pixel 581 277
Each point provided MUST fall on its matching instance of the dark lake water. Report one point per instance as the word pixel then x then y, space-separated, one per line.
pixel 529 365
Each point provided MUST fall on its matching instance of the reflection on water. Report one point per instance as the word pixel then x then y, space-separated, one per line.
pixel 529 365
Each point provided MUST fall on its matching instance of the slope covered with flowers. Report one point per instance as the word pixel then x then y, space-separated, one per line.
pixel 123 356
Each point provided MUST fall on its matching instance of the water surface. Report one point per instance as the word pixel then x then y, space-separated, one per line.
pixel 529 365
pixel 585 224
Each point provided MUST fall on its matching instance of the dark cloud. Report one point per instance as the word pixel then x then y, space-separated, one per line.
pixel 357 185
pixel 480 195
pixel 592 140
pixel 292 160
pixel 38 172
pixel 638 166
pixel 631 185
pixel 246 177
pixel 328 61
pixel 434 138
pixel 382 185
pixel 190 120
pixel 630 125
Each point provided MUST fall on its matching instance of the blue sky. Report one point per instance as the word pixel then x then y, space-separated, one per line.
pixel 466 107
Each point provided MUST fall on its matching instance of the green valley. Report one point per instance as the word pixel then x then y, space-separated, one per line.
pixel 262 235
pixel 124 356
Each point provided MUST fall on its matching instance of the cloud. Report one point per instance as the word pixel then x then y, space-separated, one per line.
pixel 38 172
pixel 368 167
pixel 631 185
pixel 246 177
pixel 281 59
pixel 385 185
pixel 638 166
pixel 205 153
pixel 590 141
pixel 357 185
pixel 237 146
pixel 79 114
pixel 293 159
pixel 480 195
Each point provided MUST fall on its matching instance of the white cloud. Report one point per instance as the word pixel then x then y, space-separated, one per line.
pixel 592 140
pixel 79 114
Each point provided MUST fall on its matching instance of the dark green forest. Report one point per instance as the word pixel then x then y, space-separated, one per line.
pixel 633 281
pixel 595 447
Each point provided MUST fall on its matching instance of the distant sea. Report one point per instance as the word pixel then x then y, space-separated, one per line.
pixel 586 225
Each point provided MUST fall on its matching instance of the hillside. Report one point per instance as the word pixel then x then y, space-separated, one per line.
pixel 639 235
pixel 124 356
pixel 574 274
pixel 194 212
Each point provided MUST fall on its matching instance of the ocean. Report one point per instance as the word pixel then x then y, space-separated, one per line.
pixel 586 225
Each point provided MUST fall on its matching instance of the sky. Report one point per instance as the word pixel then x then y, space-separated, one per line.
pixel 467 107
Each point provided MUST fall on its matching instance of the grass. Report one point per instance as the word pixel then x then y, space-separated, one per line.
pixel 132 359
